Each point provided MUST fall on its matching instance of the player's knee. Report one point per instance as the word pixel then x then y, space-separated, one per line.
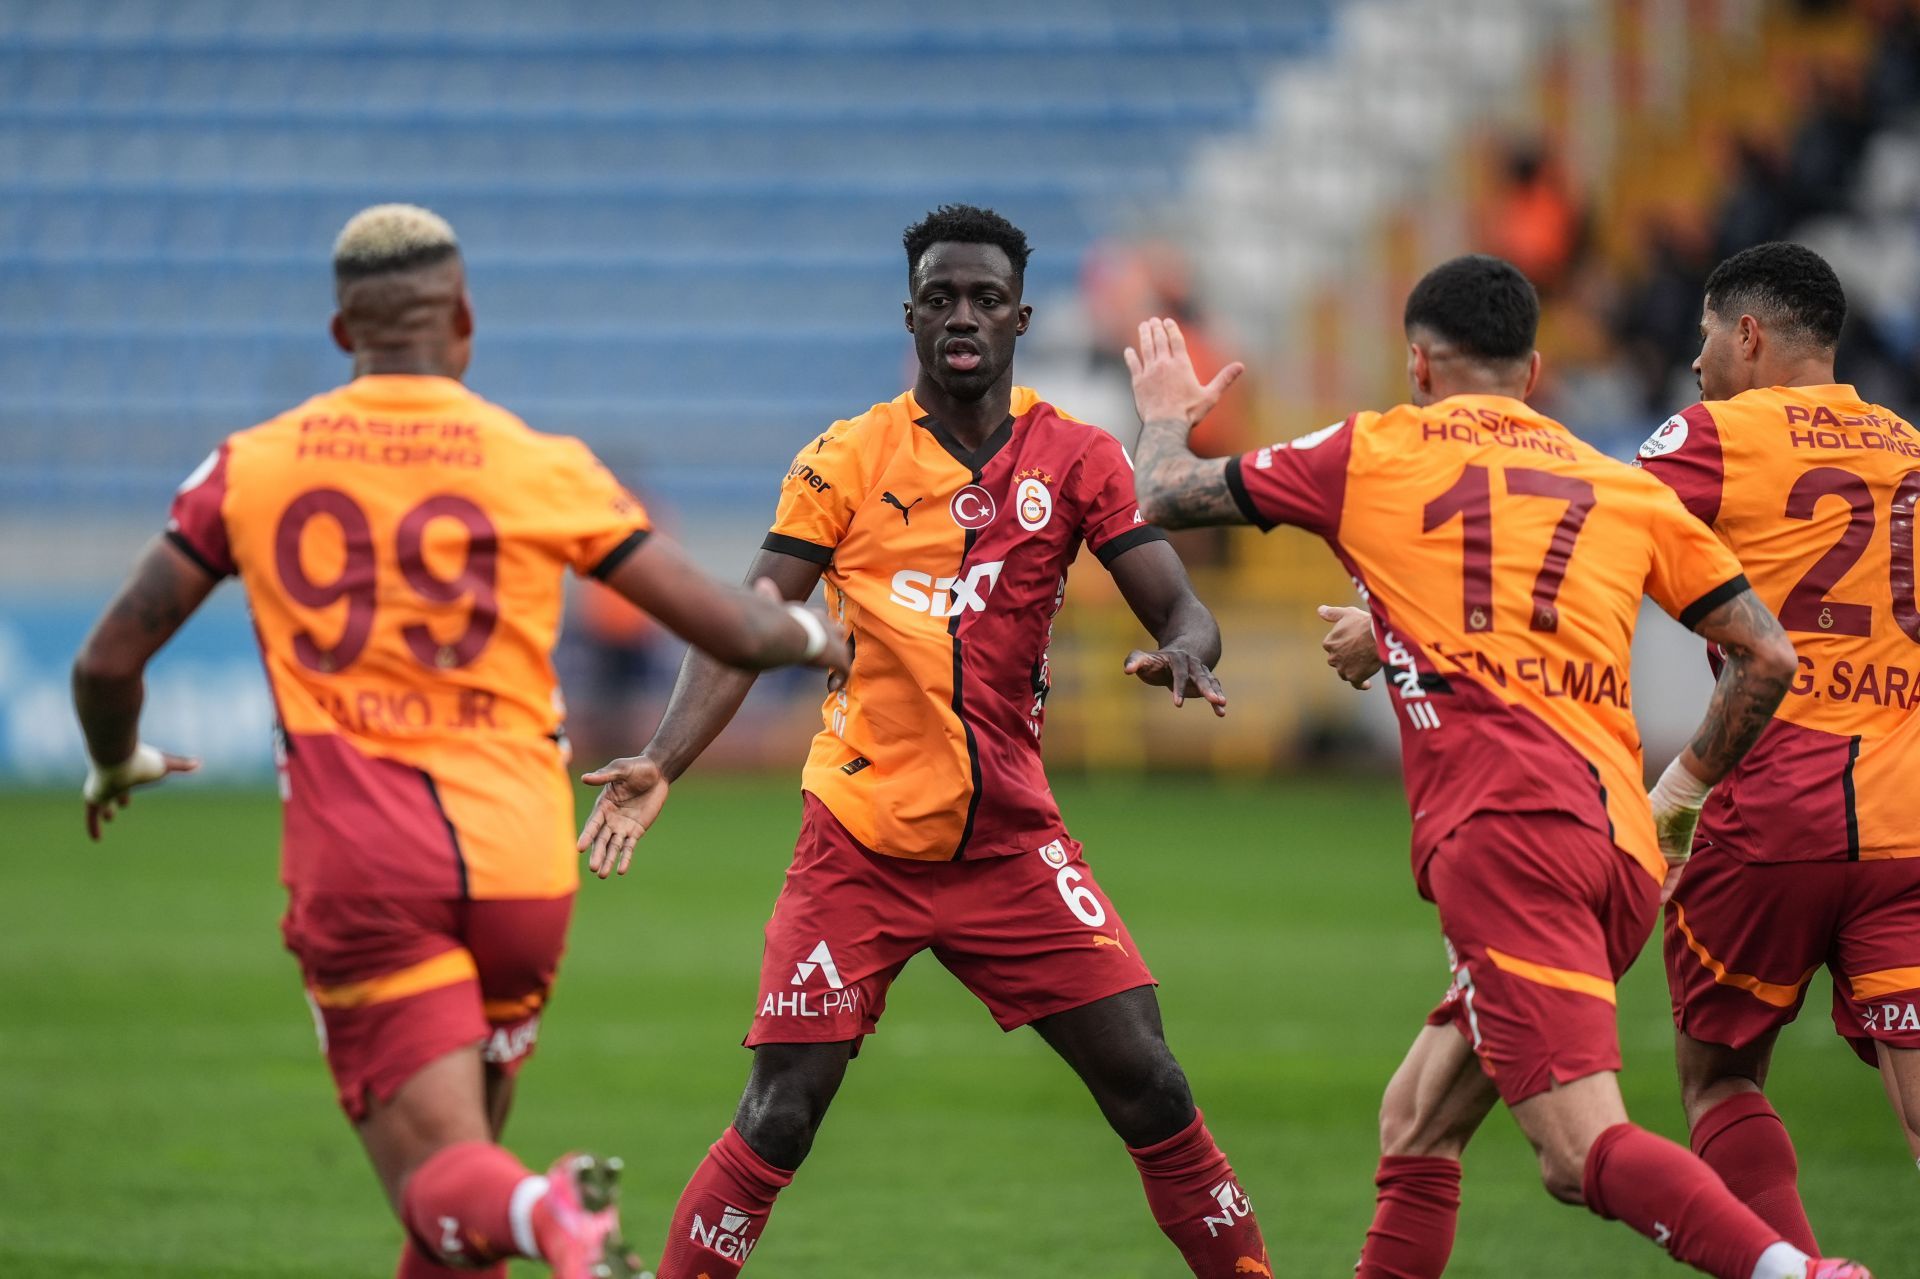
pixel 779 1125
pixel 1563 1171
pixel 1399 1120
pixel 1154 1105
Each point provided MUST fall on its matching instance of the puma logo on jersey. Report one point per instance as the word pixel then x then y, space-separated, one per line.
pixel 946 596
pixel 906 512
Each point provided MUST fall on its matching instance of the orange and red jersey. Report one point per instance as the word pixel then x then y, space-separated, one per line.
pixel 1504 561
pixel 403 544
pixel 947 566
pixel 1814 489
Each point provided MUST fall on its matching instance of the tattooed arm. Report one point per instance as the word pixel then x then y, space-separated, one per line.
pixel 1760 665
pixel 1177 489
pixel 109 675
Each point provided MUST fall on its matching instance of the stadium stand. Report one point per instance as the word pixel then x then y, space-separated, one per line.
pixel 683 219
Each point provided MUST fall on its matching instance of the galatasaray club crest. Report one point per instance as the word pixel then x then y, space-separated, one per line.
pixel 1033 500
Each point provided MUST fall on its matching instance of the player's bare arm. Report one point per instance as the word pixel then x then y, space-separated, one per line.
pixel 1349 645
pixel 1760 666
pixel 1157 589
pixel 109 676
pixel 741 627
pixel 705 698
pixel 1177 489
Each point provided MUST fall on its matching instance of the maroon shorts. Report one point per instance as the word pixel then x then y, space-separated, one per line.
pixel 1542 915
pixel 1744 938
pixel 1030 934
pixel 398 982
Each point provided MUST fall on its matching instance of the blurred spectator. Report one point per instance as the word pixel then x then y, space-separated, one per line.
pixel 1759 203
pixel 1658 320
pixel 1124 283
pixel 1531 219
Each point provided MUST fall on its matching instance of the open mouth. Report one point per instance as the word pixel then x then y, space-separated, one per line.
pixel 962 356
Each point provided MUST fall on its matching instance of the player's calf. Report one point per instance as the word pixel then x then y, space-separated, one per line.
pixel 1431 1109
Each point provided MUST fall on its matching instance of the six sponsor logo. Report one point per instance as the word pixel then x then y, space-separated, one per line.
pixel 729 1237
pixel 946 596
pixel 1234 1208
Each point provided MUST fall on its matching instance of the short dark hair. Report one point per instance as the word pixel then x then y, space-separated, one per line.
pixel 1785 286
pixel 1481 304
pixel 966 224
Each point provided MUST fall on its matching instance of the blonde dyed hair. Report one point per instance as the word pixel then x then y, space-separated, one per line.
pixel 392 237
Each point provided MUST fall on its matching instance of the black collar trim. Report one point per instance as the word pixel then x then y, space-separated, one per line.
pixel 976 460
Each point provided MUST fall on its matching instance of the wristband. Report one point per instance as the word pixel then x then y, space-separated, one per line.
pixel 144 765
pixel 1679 788
pixel 815 629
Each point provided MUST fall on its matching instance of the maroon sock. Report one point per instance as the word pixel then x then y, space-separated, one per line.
pixel 721 1212
pixel 1744 1141
pixel 1413 1218
pixel 416 1264
pixel 458 1204
pixel 1672 1198
pixel 1193 1195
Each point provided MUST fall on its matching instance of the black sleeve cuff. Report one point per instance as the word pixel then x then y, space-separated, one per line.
pixel 186 548
pixel 812 552
pixel 1696 612
pixel 1139 535
pixel 1237 485
pixel 617 556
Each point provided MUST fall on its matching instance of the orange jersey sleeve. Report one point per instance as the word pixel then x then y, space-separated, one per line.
pixel 403 545
pixel 822 490
pixel 1692 572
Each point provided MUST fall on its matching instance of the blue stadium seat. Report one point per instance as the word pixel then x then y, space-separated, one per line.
pixel 682 218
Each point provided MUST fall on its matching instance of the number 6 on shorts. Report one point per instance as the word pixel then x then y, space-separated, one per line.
pixel 1080 900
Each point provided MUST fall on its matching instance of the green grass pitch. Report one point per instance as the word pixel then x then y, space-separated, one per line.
pixel 163 1110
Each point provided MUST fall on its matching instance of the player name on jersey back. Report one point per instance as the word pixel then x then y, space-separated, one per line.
pixel 1504 562
pixel 1814 489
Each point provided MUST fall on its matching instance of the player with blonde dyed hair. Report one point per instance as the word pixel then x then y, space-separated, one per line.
pixel 403 544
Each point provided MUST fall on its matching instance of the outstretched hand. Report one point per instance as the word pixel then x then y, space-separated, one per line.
pixel 633 791
pixel 1349 645
pixel 1165 387
pixel 108 790
pixel 1180 671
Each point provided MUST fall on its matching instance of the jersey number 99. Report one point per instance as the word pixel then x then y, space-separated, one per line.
pixel 475 583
